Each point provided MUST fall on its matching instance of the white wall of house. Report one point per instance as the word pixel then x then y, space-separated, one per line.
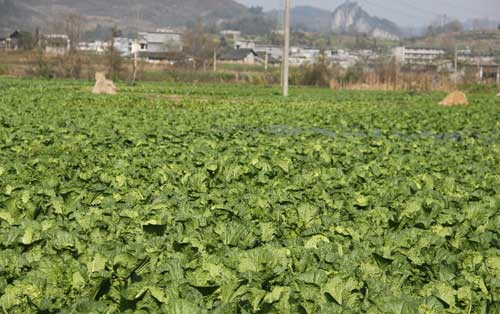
pixel 244 44
pixel 230 34
pixel 55 50
pixel 122 45
pixel 417 55
pixel 274 51
pixel 3 44
pixel 250 59
pixel 343 58
pixel 95 46
pixel 160 41
pixel 57 44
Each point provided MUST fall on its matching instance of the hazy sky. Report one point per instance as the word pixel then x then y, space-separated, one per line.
pixel 404 12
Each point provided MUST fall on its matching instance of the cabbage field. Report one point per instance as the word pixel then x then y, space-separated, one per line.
pixel 185 199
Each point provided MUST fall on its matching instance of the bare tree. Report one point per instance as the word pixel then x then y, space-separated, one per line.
pixel 73 28
pixel 199 44
pixel 317 74
pixel 71 24
pixel 115 61
pixel 386 71
pixel 453 26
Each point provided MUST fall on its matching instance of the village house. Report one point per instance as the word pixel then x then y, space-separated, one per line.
pixel 244 44
pixel 97 47
pixel 170 58
pixel 163 40
pixel 10 41
pixel 302 56
pixel 418 55
pixel 239 56
pixel 269 59
pixel 274 51
pixel 344 58
pixel 231 35
pixel 3 42
pixel 476 58
pixel 484 72
pixel 57 44
pixel 122 45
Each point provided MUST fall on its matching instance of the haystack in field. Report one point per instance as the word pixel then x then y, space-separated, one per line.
pixel 102 85
pixel 455 99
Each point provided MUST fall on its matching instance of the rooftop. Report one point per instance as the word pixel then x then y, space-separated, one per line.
pixel 237 54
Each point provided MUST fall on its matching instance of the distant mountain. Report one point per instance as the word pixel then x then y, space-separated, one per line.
pixel 124 13
pixel 307 18
pixel 350 18
pixel 482 24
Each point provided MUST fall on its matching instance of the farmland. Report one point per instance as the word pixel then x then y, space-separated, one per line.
pixel 229 199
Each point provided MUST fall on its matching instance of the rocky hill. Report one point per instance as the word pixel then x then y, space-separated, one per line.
pixel 307 18
pixel 350 18
pixel 124 13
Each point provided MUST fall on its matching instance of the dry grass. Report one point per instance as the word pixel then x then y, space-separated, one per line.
pixel 455 98
pixel 103 86
pixel 401 82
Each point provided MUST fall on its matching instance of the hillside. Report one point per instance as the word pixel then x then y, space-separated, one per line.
pixel 485 41
pixel 350 18
pixel 307 18
pixel 125 13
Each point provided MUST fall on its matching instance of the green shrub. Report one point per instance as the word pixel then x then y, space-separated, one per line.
pixel 4 69
pixel 478 88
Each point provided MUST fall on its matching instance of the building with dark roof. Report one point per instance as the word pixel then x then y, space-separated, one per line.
pixel 261 56
pixel 165 57
pixel 10 41
pixel 240 56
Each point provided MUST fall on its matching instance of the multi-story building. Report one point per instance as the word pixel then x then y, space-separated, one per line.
pixel 417 55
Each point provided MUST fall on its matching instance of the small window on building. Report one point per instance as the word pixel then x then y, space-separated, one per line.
pixel 144 46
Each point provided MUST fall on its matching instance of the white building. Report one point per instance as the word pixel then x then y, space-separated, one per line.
pixel 10 41
pixel 308 53
pixel 244 44
pixel 97 47
pixel 476 59
pixel 123 46
pixel 163 40
pixel 56 44
pixel 412 55
pixel 343 58
pixel 273 51
pixel 230 34
pixel 239 56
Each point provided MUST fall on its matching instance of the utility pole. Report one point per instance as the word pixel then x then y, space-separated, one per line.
pixel 266 61
pixel 456 66
pixel 215 60
pixel 286 48
pixel 135 52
